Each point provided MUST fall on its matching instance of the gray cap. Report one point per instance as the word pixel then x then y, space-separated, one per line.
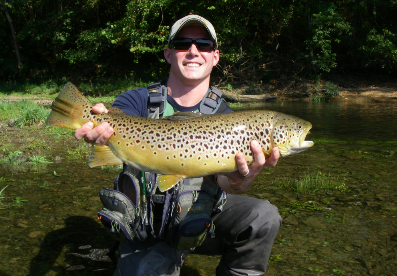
pixel 192 20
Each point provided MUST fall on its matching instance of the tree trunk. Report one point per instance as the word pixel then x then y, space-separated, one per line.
pixel 4 8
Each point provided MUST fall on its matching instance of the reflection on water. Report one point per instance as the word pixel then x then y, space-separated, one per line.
pixel 347 230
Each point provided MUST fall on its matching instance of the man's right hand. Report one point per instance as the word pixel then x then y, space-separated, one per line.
pixel 98 135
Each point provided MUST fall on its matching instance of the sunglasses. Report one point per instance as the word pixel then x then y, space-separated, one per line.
pixel 184 44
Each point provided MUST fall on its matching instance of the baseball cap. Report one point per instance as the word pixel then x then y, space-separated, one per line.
pixel 192 20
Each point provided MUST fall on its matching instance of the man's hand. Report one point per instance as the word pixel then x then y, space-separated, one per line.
pixel 240 181
pixel 98 135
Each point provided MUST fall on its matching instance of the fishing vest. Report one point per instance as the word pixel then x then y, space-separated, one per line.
pixel 136 210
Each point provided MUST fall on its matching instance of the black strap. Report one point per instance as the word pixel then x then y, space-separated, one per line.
pixel 213 102
pixel 157 93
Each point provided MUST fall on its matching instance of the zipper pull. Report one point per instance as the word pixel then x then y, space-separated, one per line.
pixel 115 230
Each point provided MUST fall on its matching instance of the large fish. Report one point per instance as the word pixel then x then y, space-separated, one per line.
pixel 185 144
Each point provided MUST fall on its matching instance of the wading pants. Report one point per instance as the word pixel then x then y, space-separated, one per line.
pixel 244 234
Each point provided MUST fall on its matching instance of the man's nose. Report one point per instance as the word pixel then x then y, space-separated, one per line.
pixel 193 49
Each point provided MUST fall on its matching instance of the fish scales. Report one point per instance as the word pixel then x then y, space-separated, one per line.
pixel 180 148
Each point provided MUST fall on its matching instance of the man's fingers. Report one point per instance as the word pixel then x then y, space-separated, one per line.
pixel 259 157
pixel 104 137
pixel 83 130
pixel 99 108
pixel 98 135
pixel 241 164
pixel 272 160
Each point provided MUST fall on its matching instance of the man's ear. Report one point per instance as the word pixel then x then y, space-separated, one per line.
pixel 216 56
pixel 167 55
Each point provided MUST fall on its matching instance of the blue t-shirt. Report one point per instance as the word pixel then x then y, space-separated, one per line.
pixel 135 102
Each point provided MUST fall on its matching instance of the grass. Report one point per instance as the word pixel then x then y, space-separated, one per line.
pixel 25 112
pixel 51 87
pixel 32 115
pixel 312 184
pixel 81 152
pixel 16 161
pixel 14 158
pixel 39 159
pixel 2 195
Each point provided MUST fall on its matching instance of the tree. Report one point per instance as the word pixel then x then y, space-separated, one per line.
pixel 14 38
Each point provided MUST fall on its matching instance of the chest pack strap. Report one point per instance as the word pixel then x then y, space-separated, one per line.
pixel 157 93
pixel 213 102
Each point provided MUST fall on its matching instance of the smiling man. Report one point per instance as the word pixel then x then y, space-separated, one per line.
pixel 200 215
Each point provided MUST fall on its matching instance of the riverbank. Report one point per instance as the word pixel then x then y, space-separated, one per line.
pixel 349 87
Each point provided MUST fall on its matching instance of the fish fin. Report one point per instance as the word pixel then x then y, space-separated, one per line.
pixel 167 181
pixel 267 153
pixel 178 116
pixel 101 156
pixel 284 150
pixel 67 108
pixel 115 110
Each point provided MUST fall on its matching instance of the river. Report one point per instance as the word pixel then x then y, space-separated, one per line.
pixel 337 199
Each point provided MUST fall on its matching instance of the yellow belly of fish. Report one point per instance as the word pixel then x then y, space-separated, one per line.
pixel 180 162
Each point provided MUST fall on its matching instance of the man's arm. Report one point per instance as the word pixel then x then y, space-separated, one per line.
pixel 235 182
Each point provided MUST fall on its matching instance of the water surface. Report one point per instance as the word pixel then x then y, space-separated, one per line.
pixel 48 213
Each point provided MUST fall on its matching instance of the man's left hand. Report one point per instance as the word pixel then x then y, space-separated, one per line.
pixel 240 181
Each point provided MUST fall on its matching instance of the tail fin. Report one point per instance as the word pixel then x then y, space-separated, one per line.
pixel 68 108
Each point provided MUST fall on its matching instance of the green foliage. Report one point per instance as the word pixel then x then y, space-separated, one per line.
pixel 380 48
pixel 91 39
pixel 326 91
pixel 32 115
pixel 328 26
pixel 312 184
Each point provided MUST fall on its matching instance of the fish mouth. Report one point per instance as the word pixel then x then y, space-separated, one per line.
pixel 303 145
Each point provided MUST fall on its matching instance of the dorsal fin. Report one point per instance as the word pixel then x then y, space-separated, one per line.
pixel 115 110
pixel 177 116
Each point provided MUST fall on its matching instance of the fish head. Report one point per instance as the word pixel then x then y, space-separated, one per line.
pixel 289 134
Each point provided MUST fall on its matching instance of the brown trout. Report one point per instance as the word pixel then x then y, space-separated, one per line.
pixel 185 144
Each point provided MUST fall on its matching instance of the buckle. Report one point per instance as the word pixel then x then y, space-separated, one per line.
pixel 158 198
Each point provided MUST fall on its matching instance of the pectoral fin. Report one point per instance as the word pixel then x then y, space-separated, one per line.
pixel 101 156
pixel 167 181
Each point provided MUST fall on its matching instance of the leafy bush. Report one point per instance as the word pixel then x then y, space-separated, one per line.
pixel 380 48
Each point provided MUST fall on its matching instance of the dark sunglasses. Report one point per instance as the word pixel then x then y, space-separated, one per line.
pixel 184 44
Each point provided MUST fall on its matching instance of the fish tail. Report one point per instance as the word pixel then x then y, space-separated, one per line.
pixel 68 108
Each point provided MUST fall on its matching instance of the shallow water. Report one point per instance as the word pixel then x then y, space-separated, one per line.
pixel 48 215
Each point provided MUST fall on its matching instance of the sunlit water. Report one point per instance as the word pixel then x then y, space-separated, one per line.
pixel 51 228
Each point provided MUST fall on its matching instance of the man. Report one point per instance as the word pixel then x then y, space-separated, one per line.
pixel 246 227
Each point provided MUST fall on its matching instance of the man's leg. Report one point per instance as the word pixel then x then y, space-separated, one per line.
pixel 149 259
pixel 244 234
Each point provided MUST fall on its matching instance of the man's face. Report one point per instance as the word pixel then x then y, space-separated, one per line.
pixel 191 67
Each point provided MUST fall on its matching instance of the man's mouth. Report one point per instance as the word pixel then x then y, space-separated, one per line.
pixel 192 65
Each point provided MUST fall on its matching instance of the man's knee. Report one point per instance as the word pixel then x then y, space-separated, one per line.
pixel 265 218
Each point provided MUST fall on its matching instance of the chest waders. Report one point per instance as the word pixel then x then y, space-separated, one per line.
pixel 136 210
